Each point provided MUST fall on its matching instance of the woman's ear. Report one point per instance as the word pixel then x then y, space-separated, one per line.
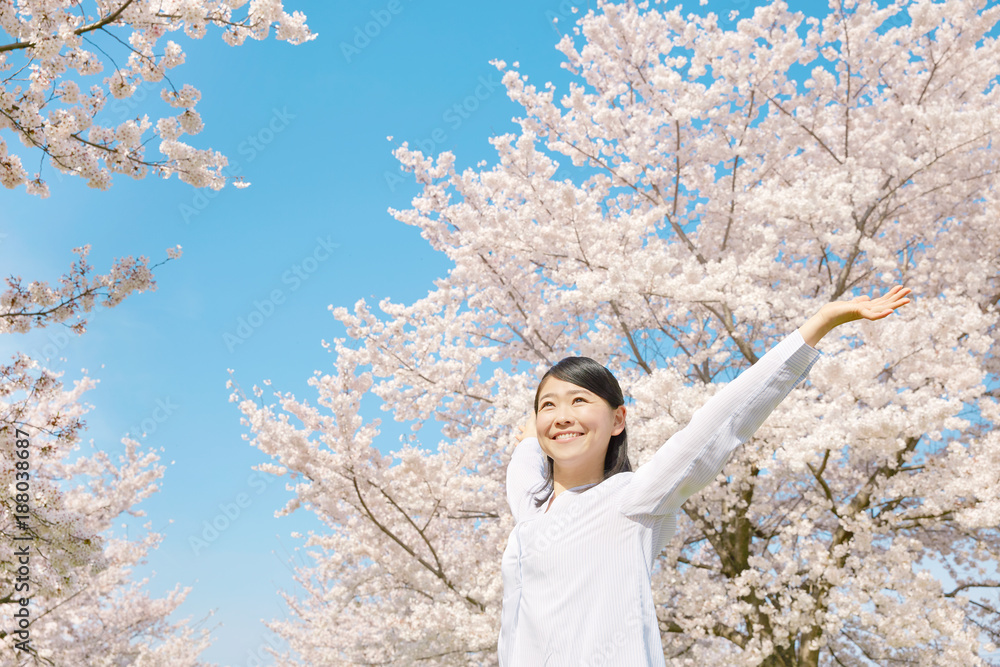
pixel 618 425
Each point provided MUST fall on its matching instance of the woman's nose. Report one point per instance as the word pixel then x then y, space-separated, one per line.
pixel 562 416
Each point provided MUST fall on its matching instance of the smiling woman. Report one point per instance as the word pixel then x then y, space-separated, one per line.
pixel 579 396
pixel 577 575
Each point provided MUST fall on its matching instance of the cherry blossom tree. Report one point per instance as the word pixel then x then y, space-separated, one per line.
pixel 725 183
pixel 51 112
pixel 83 607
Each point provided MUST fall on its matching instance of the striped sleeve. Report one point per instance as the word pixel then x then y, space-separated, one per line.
pixel 693 456
pixel 525 473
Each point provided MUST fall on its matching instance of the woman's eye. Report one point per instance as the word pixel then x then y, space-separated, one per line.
pixel 548 403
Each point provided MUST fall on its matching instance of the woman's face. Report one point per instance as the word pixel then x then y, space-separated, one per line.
pixel 575 425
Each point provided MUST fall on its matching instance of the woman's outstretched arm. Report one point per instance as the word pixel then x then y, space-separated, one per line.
pixel 834 314
pixel 693 456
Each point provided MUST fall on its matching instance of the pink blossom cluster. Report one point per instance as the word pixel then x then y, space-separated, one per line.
pixel 36 305
pixel 60 116
pixel 86 607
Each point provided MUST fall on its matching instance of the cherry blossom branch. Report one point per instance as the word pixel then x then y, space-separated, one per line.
pixel 436 571
pixel 110 18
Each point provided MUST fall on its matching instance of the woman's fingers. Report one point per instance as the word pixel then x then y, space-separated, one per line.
pixel 897 297
pixel 527 428
pixel 885 304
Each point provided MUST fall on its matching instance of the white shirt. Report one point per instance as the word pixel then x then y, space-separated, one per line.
pixel 576 576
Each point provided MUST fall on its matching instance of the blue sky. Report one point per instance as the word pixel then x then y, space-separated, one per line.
pixel 307 126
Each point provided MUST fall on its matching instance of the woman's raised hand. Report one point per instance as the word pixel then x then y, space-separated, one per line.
pixel 528 429
pixel 859 308
pixel 864 307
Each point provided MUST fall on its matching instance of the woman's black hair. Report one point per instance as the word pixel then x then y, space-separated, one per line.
pixel 592 376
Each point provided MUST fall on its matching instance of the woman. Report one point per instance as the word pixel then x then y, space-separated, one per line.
pixel 576 570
